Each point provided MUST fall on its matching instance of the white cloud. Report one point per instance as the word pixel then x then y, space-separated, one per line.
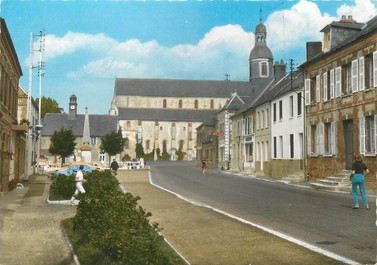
pixel 223 50
pixel 361 11
pixel 292 28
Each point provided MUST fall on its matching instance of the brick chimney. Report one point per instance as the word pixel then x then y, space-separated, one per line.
pixel 313 48
pixel 279 70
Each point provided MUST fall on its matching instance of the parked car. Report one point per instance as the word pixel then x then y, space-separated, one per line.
pixel 72 169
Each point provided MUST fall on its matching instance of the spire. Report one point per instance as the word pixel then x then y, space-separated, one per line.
pixel 86 132
pixel 260 15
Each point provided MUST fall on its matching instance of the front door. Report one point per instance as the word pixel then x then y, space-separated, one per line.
pixel 348 143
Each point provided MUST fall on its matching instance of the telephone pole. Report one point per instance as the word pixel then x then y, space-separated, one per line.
pixel 41 67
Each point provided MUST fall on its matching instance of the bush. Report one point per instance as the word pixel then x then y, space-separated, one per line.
pixel 62 187
pixel 113 223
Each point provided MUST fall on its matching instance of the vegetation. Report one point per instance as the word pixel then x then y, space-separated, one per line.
pixel 110 227
pixel 139 150
pixel 62 143
pixel 48 105
pixel 113 143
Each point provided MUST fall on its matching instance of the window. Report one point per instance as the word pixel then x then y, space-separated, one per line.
pixel 347 79
pixel 267 120
pixel 274 112
pixel 311 136
pixel 180 104
pixel 368 63
pixel 299 104
pixel 329 138
pixel 338 81
pixel 101 156
pixel 325 91
pixel 281 146
pixel 291 106
pixel 147 145
pixel 164 104
pixel 361 74
pixel 307 92
pixel 375 68
pixel 263 69
pixel 332 83
pixel 93 140
pixel 128 124
pixel 262 120
pixel 275 147
pixel 292 146
pixel 368 135
pixel 280 110
pixel 196 103
pixel 212 104
pixel 318 88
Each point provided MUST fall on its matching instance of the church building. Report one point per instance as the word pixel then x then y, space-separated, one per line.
pixel 88 130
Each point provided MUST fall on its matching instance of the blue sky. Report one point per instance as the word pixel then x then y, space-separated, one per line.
pixel 90 43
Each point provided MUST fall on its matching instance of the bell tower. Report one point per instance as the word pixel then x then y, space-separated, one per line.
pixel 72 107
pixel 260 60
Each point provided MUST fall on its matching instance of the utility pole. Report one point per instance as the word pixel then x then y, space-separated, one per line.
pixel 41 65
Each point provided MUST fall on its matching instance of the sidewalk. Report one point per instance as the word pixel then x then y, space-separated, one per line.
pixel 205 237
pixel 30 228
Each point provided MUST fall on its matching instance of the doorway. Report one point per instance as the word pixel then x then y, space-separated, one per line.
pixel 348 143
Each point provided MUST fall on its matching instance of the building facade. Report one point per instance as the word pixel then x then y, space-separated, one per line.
pixel 12 133
pixel 88 130
pixel 341 98
pixel 163 114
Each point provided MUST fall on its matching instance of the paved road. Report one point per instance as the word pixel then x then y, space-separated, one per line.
pixel 322 219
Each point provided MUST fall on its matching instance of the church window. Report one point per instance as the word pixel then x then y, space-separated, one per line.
pixel 196 103
pixel 212 104
pixel 164 104
pixel 180 104
pixel 94 140
pixel 263 69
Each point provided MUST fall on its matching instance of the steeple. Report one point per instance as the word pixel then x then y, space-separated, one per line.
pixel 86 132
pixel 260 59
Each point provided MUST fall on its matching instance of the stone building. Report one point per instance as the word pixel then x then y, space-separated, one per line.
pixel 223 130
pixel 263 75
pixel 88 130
pixel 12 133
pixel 163 114
pixel 341 98
pixel 207 143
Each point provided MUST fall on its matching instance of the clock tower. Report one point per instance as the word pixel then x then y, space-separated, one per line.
pixel 72 107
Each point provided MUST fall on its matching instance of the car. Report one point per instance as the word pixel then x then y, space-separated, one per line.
pixel 72 169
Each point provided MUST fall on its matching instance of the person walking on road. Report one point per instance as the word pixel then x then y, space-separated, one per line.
pixel 114 166
pixel 204 167
pixel 79 179
pixel 358 168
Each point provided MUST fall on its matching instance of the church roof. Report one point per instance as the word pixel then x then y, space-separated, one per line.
pixel 260 51
pixel 100 125
pixel 181 88
pixel 170 115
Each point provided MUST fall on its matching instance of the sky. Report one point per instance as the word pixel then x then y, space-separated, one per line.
pixel 89 43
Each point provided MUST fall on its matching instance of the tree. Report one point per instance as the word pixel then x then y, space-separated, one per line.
pixel 62 143
pixel 113 143
pixel 139 150
pixel 48 105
